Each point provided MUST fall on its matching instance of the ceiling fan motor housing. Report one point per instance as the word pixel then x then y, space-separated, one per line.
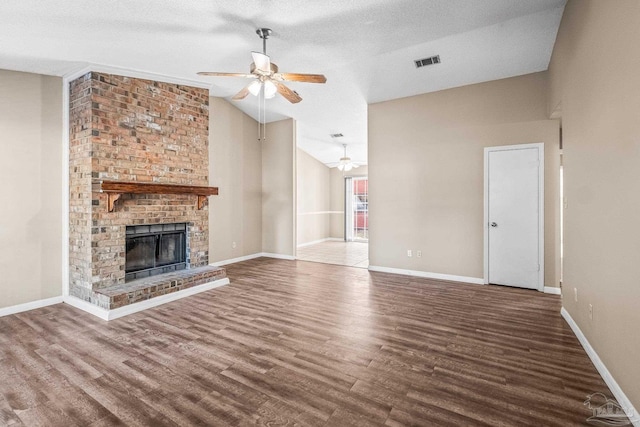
pixel 274 67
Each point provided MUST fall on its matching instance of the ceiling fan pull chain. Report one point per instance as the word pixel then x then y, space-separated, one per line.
pixel 259 119
pixel 264 115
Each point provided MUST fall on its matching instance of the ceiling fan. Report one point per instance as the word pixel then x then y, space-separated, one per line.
pixel 345 164
pixel 266 77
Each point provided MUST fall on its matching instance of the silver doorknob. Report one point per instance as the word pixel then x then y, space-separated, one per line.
pixel 493 224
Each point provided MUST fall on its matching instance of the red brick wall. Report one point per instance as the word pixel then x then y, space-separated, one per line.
pixel 129 129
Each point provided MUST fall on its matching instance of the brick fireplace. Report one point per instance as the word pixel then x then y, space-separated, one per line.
pixel 133 130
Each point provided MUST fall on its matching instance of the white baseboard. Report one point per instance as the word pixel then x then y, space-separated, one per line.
pixel 32 305
pixel 252 256
pixel 234 260
pixel 552 290
pixel 315 242
pixel 622 398
pixel 278 256
pixel 439 276
pixel 116 313
pixel 87 306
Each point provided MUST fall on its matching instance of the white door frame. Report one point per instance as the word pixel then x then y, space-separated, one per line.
pixel 487 150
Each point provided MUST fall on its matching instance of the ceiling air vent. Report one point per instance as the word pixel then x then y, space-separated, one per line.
pixel 427 61
pixel 336 135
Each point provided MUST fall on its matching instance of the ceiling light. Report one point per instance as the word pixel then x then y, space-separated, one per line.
pixel 254 87
pixel 270 89
pixel 347 166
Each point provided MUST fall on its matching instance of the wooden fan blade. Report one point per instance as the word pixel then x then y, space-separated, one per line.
pixel 213 73
pixel 289 95
pixel 242 94
pixel 262 61
pixel 305 78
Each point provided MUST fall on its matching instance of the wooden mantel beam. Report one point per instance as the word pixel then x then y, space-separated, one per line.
pixel 115 189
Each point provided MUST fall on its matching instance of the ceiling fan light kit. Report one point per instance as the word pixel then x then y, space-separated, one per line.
pixel 270 89
pixel 345 167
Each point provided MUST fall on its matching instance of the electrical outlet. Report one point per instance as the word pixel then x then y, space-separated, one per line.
pixel 409 253
pixel 590 311
pixel 233 245
pixel 575 294
pixel 419 254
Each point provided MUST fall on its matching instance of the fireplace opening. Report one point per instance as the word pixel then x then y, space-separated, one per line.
pixel 155 249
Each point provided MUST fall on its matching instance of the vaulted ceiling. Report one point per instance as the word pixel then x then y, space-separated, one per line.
pixel 366 48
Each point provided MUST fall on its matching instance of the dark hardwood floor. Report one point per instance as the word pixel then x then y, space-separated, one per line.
pixel 298 343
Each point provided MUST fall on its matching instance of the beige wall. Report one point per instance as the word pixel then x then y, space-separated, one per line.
pixel 337 198
pixel 279 188
pixel 313 199
pixel 594 77
pixel 235 166
pixel 31 176
pixel 426 179
pixel 255 207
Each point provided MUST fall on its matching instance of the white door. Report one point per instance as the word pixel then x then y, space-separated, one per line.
pixel 514 215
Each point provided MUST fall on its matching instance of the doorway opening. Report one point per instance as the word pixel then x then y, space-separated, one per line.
pixel 327 201
pixel 352 248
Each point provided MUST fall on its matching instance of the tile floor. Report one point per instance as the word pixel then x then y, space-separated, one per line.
pixel 351 254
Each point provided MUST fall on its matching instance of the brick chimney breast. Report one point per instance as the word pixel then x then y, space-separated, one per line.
pixel 129 129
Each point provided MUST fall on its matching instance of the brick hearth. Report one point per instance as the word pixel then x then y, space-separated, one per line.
pixel 134 130
pixel 149 287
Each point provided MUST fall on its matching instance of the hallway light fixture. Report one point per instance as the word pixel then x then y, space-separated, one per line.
pixel 345 163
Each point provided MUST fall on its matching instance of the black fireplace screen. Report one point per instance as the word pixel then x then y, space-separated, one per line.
pixel 155 249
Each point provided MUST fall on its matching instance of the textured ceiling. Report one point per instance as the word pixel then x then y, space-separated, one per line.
pixel 365 48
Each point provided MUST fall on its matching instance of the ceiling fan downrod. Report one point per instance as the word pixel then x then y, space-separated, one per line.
pixel 264 34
